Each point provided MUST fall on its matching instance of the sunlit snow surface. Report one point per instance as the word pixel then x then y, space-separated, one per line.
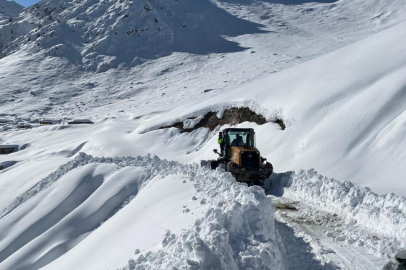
pixel 344 108
pixel 235 232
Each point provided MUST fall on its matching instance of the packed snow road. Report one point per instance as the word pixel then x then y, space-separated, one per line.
pixel 335 253
pixel 344 226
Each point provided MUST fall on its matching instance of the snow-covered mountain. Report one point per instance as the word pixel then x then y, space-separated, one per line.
pixel 104 34
pixel 9 9
pixel 327 76
pixel 334 107
pixel 56 43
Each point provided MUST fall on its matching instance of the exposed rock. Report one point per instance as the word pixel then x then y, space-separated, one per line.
pixel 231 116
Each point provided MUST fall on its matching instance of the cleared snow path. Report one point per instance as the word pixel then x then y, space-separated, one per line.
pixel 299 253
pixel 335 253
pixel 347 226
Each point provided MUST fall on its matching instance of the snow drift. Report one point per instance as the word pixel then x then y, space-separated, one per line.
pixel 236 232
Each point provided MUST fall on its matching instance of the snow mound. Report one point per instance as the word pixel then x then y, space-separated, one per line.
pixel 237 231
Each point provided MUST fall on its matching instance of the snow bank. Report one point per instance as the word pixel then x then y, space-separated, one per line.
pixel 381 214
pixel 237 231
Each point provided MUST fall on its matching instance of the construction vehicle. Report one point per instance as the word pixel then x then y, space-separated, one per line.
pixel 241 158
pixel 398 262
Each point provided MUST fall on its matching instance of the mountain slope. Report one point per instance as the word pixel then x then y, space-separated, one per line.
pixel 103 35
pixel 345 112
pixel 304 96
pixel 9 9
pixel 137 67
pixel 61 44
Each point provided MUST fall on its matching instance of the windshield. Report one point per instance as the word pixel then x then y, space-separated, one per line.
pixel 240 138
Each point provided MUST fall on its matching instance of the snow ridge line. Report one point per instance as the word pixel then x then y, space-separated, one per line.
pixel 237 232
pixel 383 214
pixel 153 166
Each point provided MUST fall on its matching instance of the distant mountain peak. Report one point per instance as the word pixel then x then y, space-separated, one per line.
pixel 9 9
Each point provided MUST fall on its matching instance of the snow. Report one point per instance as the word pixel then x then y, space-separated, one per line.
pixel 340 124
pixel 49 223
pixel 236 231
pixel 297 250
pixel 362 218
pixel 385 214
pixel 314 230
pixel 9 9
pixel 24 125
pixel 331 70
pixel 5 121
pixel 140 225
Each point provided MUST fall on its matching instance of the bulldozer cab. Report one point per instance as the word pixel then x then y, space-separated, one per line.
pixel 244 137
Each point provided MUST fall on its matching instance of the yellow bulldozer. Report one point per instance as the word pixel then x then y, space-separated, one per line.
pixel 241 158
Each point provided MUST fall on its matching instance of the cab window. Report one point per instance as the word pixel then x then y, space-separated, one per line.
pixel 239 138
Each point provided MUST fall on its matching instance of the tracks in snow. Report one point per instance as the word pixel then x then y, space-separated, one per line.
pixel 320 234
